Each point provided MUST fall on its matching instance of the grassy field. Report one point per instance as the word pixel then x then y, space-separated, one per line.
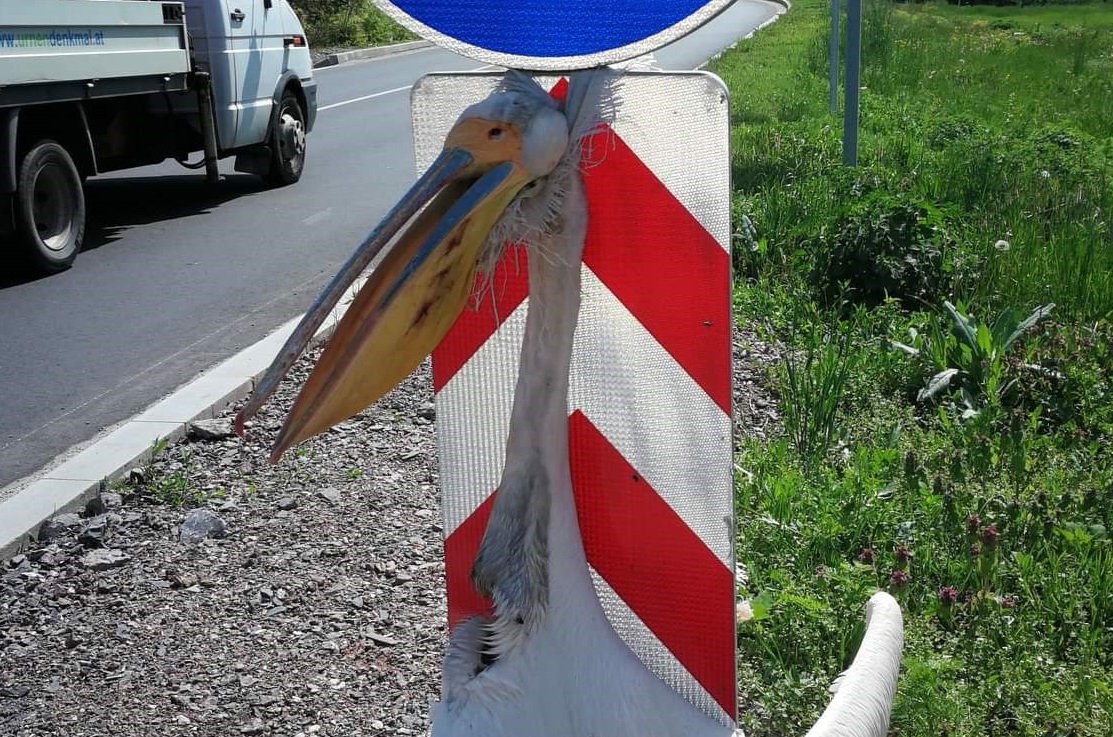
pixel 946 388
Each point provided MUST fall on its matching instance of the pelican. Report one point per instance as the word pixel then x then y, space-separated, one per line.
pixel 547 663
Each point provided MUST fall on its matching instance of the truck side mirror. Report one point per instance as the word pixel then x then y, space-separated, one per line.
pixel 268 4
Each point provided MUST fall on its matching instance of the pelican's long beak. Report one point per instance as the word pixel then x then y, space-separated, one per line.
pixel 416 293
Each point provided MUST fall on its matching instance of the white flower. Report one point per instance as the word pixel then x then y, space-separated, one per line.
pixel 1001 245
pixel 742 611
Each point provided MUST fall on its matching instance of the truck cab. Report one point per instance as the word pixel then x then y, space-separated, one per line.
pixel 254 51
pixel 92 86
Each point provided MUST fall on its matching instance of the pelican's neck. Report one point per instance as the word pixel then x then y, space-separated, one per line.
pixel 532 542
pixel 539 419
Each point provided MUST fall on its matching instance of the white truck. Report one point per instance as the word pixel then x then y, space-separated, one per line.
pixel 92 86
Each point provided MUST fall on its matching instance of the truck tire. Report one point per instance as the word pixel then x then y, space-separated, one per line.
pixel 49 208
pixel 287 142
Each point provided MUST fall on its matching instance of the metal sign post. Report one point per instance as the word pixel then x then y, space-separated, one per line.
pixel 833 63
pixel 853 82
pixel 649 415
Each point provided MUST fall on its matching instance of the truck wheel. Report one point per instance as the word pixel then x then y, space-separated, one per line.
pixel 49 208
pixel 287 142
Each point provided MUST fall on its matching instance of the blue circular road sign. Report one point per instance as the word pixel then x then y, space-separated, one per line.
pixel 552 35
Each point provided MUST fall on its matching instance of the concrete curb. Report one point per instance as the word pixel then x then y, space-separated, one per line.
pixel 372 52
pixel 786 4
pixel 72 479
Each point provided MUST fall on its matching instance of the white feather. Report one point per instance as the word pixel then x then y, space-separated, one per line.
pixel 864 691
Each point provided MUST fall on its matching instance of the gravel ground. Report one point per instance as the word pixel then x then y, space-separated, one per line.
pixel 315 605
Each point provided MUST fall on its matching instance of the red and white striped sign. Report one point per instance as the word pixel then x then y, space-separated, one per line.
pixel 650 389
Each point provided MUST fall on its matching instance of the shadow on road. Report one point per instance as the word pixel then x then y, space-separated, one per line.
pixel 114 205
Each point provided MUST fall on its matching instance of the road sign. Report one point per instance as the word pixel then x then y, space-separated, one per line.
pixel 650 385
pixel 557 35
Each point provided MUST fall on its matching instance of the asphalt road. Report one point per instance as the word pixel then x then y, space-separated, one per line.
pixel 175 277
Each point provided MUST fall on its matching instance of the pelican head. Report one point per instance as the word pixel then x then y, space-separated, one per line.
pixel 497 147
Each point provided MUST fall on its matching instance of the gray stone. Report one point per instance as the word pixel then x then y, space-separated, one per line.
pixel 330 495
pixel 102 559
pixel 182 579
pixel 255 726
pixel 94 507
pixel 286 503
pixel 381 639
pixel 58 526
pixel 210 430
pixel 200 524
pixel 92 535
pixel 49 556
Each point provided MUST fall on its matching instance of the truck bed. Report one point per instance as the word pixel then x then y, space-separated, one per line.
pixel 51 41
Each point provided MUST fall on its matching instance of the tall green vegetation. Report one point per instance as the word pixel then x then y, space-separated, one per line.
pixel 991 130
pixel 946 386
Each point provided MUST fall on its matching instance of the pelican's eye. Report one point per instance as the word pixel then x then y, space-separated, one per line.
pixel 495 134
pixel 531 188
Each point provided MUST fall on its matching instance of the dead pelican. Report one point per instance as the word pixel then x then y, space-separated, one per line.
pixel 548 663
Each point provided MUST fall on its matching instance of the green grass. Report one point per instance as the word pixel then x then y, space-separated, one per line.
pixel 986 181
pixel 1003 120
pixel 348 23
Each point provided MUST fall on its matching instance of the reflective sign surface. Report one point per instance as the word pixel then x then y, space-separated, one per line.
pixel 552 34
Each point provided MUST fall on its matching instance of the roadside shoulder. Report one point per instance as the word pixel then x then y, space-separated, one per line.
pixel 372 52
